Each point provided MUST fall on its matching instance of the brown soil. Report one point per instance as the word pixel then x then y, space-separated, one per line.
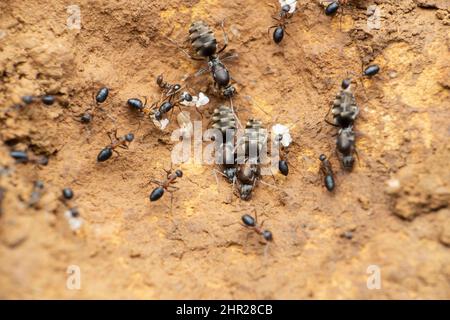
pixel 324 243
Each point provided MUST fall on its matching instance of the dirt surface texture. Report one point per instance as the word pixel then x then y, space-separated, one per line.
pixel 389 217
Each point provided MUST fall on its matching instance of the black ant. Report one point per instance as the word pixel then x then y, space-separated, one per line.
pixel 166 184
pixel 327 171
pixel 24 157
pixel 99 98
pixel 45 99
pixel 170 90
pixel 252 223
pixel 204 44
pixel 121 142
pixel 371 70
pixel 284 16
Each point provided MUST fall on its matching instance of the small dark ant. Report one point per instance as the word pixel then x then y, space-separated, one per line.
pixel 283 167
pixel 166 184
pixel 67 193
pixel 24 157
pixel 327 171
pixel 169 90
pixel 45 99
pixel 99 98
pixel 252 223
pixel 345 144
pixel 284 16
pixel 121 142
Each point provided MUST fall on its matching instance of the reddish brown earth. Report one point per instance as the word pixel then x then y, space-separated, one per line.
pixel 392 211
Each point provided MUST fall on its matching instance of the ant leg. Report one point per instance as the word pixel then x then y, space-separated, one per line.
pixel 268 30
pixel 184 51
pixel 225 37
pixel 114 150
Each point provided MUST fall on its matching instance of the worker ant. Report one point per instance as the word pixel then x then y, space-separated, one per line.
pixel 121 142
pixel 45 99
pixel 371 70
pixel 252 223
pixel 99 98
pixel 284 15
pixel 327 171
pixel 24 157
pixel 167 184
pixel 170 90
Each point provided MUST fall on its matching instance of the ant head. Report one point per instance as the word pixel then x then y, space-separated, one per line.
pixel 179 173
pixel 346 83
pixel 129 137
pixel 267 235
pixel 186 97
pixel 286 8
pixel 322 157
pixel 176 87
pixel 248 220
pixel 74 212
pixel 86 117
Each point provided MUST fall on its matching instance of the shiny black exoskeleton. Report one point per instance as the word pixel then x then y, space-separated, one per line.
pixel 135 103
pixel 332 8
pixel 371 70
pixel 67 193
pixel 327 172
pixel 204 44
pixel 48 100
pixel 163 109
pixel 166 184
pixel 102 95
pixel 252 223
pixel 283 167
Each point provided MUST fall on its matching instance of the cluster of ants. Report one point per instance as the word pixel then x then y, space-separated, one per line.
pixel 244 174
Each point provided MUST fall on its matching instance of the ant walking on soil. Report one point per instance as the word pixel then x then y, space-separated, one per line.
pixel 99 98
pixel 252 223
pixel 116 142
pixel 282 18
pixel 167 184
pixel 327 172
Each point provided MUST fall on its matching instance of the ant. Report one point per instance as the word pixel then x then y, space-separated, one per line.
pixel 371 70
pixel 23 157
pixel 332 6
pixel 345 144
pixel 204 44
pixel 169 90
pixel 100 97
pixel 167 183
pixel 121 142
pixel 327 171
pixel 46 99
pixel 284 16
pixel 252 223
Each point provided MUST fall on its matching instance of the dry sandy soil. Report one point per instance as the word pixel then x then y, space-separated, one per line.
pixel 392 211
